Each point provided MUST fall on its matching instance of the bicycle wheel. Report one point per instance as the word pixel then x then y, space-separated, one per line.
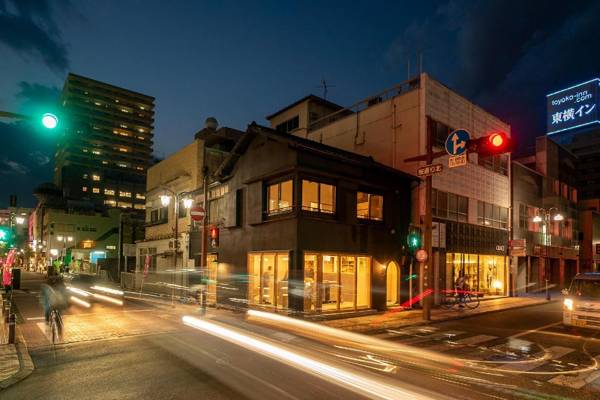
pixel 472 301
pixel 447 302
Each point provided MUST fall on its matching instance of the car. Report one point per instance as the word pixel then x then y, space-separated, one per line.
pixel 581 305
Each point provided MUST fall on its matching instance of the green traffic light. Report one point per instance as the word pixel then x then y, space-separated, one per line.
pixel 3 234
pixel 50 121
pixel 414 240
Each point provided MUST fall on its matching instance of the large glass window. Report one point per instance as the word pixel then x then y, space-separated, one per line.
pixel 268 279
pixel 318 197
pixel 336 282
pixel 484 273
pixel 449 206
pixel 212 264
pixel 280 197
pixel 492 215
pixel 369 206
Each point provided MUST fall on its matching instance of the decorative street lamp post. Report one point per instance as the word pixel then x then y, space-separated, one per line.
pixel 165 200
pixel 545 216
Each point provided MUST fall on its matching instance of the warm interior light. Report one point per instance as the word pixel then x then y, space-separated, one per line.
pixel 537 219
pixel 60 238
pixel 20 220
pixel 165 200
pixel 187 202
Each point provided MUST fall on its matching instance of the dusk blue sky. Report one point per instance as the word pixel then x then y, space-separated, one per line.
pixel 240 61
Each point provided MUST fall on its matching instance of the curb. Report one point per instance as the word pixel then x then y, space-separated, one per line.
pixel 375 331
pixel 26 366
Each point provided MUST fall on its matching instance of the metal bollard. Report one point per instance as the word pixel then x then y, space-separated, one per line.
pixel 11 328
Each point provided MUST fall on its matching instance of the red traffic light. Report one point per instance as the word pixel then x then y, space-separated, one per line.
pixel 214 236
pixel 496 139
pixel 495 143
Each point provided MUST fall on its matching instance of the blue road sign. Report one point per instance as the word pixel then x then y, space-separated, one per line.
pixel 456 143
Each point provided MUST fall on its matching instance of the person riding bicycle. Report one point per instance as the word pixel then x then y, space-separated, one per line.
pixel 462 288
pixel 53 295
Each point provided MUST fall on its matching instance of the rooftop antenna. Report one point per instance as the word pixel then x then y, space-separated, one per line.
pixel 325 87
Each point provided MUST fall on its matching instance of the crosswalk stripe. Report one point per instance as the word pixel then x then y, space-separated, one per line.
pixel 577 381
pixel 468 341
pixel 432 337
pixel 555 352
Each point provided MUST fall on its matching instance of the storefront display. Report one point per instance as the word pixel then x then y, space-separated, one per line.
pixel 484 273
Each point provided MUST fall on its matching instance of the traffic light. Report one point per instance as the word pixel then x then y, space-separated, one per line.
pixel 214 236
pixel 5 236
pixel 414 239
pixel 495 143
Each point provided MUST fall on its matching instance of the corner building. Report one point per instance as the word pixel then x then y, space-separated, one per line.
pixel 106 144
pixel 470 203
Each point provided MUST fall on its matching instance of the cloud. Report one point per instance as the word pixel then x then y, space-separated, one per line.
pixel 13 167
pixel 31 32
pixel 40 158
pixel 506 54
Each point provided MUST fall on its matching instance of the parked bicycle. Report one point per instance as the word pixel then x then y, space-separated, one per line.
pixel 460 299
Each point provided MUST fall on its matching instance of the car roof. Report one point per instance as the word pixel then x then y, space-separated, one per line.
pixel 591 276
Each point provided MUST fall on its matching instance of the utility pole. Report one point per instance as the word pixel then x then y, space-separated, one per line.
pixel 426 271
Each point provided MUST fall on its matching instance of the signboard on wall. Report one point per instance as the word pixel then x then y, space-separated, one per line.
pixel 574 107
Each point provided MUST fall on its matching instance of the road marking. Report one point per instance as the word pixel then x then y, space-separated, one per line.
pixel 577 381
pixel 410 331
pixel 554 352
pixel 436 336
pixel 541 328
pixel 469 341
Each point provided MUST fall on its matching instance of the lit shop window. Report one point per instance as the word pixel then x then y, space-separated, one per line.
pixel 336 282
pixel 104 162
pixel 139 206
pixel 109 192
pixel 96 190
pixel 95 177
pixel 125 110
pixel 139 168
pixel 318 197
pixel 125 205
pixel 268 279
pixel 96 152
pixel 280 197
pixel 369 206
pixel 122 165
pixel 111 203
pixel 123 126
pixel 141 130
pixel 84 188
pixel 124 194
pixel 111 247
pixel 141 138
pixel 140 196
pixel 123 149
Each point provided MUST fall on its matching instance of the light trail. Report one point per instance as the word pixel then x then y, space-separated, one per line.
pixel 78 291
pixel 344 378
pixel 79 302
pixel 109 299
pixel 108 290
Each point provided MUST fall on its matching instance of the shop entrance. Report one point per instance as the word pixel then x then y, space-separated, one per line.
pixel 392 284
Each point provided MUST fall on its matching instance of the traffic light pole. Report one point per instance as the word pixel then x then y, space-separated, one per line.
pixel 426 271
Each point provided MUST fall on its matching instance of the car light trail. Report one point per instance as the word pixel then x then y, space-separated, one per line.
pixel 78 291
pixel 79 302
pixel 108 290
pixel 311 328
pixel 347 379
pixel 109 299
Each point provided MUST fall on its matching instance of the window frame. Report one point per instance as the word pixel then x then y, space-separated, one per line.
pixel 369 216
pixel 319 202
pixel 279 183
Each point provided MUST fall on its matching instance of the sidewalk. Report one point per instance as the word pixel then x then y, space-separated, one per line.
pixel 15 362
pixel 395 319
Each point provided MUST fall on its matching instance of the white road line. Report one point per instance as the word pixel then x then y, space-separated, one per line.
pixel 577 381
pixel 469 341
pixel 555 352
pixel 436 336
pixel 541 328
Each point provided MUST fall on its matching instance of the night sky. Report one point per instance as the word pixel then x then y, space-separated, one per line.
pixel 240 61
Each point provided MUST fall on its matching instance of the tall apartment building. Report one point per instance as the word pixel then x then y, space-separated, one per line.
pixel 470 204
pixel 106 145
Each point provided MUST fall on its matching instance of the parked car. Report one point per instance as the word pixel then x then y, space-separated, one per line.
pixel 581 305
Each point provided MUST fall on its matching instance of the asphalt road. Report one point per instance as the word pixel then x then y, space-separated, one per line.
pixel 145 351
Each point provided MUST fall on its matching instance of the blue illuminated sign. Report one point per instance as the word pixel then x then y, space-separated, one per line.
pixel 573 107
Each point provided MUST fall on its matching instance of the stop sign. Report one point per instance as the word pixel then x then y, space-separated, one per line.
pixel 197 213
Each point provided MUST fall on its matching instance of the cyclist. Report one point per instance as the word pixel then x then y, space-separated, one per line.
pixel 53 295
pixel 462 287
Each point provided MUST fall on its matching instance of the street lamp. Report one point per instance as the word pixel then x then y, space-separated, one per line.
pixel 165 200
pixel 544 217
pixel 50 121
